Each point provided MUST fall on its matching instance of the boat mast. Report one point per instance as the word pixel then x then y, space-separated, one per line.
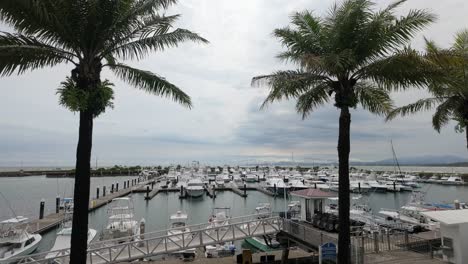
pixel 395 159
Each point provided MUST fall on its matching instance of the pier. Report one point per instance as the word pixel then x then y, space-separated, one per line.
pixel 288 232
pixel 235 189
pixel 265 191
pixel 48 222
pixel 160 242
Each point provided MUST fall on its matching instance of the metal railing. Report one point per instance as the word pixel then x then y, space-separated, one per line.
pixel 163 242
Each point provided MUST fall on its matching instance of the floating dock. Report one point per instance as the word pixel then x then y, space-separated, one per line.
pixel 48 222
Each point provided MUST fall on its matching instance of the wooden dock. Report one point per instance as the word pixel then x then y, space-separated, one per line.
pixel 265 191
pixel 40 226
pixel 235 189
pixel 210 191
pixel 150 194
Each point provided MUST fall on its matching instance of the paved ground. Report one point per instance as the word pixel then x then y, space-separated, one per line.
pixel 400 257
pixel 229 260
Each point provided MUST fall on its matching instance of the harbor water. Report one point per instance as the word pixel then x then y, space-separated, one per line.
pixel 22 195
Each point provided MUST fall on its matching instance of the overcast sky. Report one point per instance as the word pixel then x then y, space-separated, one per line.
pixel 225 125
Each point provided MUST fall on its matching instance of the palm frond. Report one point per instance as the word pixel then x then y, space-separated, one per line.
pixel 444 113
pixel 420 105
pixel 46 20
pixel 373 98
pixel 313 98
pixel 19 53
pixel 150 83
pixel 139 48
pixel 404 69
pixel 287 84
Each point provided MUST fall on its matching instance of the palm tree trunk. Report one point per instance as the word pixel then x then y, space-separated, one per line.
pixel 344 239
pixel 466 133
pixel 79 235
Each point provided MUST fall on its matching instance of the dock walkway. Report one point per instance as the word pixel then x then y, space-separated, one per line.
pixel 235 189
pixel 40 226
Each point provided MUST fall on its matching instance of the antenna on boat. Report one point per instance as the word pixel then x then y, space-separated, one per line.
pixel 8 204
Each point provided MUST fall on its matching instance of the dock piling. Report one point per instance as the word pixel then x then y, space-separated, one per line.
pixel 41 209
pixel 117 187
pixel 245 190
pixel 359 187
pixel 147 192
pixel 57 204
pixel 112 188
pixel 97 192
pixel 125 185
pixel 103 191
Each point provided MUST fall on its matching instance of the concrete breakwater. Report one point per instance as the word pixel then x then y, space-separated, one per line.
pixel 68 173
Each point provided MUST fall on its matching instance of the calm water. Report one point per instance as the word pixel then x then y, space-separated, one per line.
pixel 25 193
pixel 417 169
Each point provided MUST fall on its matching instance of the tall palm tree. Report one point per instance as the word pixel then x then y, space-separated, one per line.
pixel 451 96
pixel 90 35
pixel 352 56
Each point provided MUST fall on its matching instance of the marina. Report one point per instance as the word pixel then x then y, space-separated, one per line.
pixel 242 198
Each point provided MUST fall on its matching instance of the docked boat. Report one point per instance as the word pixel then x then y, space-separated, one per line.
pixel 251 178
pixel 121 225
pixel 453 180
pixel 15 241
pixel 277 185
pixel 219 222
pixel 195 187
pixel 297 185
pixel 179 231
pixel 263 243
pixel 63 238
pixel 263 210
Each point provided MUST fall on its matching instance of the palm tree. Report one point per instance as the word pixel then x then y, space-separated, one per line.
pixel 450 97
pixel 354 56
pixel 90 35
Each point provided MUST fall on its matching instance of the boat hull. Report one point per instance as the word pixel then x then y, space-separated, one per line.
pixel 30 249
pixel 195 192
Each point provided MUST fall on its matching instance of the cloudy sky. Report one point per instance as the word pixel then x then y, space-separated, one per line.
pixel 225 125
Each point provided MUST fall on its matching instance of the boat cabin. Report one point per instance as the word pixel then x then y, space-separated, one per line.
pixel 312 201
pixel 178 220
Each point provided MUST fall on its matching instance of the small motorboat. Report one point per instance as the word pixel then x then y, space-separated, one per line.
pixel 15 241
pixel 62 241
pixel 121 226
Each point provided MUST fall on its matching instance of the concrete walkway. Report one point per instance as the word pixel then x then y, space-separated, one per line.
pixel 400 257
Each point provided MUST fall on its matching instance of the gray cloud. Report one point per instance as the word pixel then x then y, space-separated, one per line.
pixel 225 124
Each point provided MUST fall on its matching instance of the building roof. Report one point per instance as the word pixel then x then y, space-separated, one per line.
pixel 312 193
pixel 449 217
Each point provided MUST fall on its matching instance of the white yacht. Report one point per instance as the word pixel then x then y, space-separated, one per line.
pixel 219 221
pixel 263 210
pixel 179 232
pixel 453 180
pixel 297 184
pixel 15 241
pixel 277 185
pixel 63 239
pixel 122 225
pixel 251 178
pixel 195 187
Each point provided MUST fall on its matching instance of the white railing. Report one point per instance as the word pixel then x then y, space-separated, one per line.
pixel 163 242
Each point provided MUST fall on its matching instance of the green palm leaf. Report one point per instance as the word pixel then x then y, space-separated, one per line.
pixel 373 98
pixel 19 53
pixel 151 83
